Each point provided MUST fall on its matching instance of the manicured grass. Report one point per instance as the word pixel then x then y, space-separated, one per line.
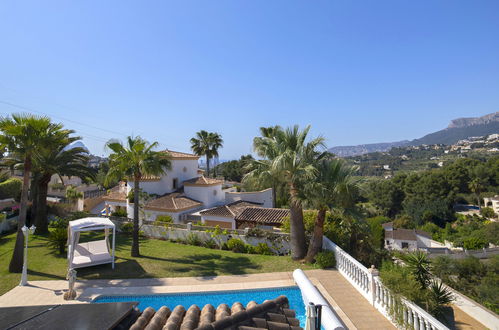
pixel 159 259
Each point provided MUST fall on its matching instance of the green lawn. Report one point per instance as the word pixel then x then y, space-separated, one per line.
pixel 159 259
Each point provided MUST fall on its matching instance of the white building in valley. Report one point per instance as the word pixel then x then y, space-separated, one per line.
pixel 408 239
pixel 180 192
pixel 492 202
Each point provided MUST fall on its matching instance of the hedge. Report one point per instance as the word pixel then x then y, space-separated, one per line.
pixel 11 188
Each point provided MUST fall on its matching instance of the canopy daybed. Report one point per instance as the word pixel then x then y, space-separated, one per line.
pixel 94 252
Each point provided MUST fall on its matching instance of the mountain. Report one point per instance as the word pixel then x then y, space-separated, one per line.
pixel 346 151
pixel 458 129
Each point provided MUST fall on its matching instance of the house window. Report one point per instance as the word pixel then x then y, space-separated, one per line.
pixel 405 245
pixel 175 183
pixel 387 242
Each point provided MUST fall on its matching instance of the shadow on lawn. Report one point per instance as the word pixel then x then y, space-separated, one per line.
pixel 123 268
pixel 212 264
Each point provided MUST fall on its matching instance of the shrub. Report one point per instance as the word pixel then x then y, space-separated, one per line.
pixel 193 239
pixel 236 245
pixel 474 243
pixel 210 244
pixel 120 213
pixel 250 249
pixel 255 232
pixel 263 248
pixel 59 223
pixel 127 227
pixel 163 220
pixel 487 212
pixel 58 237
pixel 11 188
pixel 325 259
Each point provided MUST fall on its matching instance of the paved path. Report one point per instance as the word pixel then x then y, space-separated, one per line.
pixel 360 312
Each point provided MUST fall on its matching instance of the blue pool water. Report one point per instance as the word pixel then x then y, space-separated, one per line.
pixel 215 298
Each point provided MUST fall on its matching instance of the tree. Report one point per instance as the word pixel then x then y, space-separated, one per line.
pixel 291 158
pixel 133 161
pixel 476 186
pixel 206 144
pixel 57 159
pixel 419 265
pixel 73 195
pixel 334 187
pixel 22 135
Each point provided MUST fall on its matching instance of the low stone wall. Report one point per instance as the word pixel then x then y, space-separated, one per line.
pixel 278 242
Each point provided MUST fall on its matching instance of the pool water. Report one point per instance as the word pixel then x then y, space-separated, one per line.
pixel 215 298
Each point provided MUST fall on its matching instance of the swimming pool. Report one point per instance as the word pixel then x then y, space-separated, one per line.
pixel 215 298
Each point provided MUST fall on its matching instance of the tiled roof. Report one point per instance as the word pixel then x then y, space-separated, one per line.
pixel 172 202
pixel 202 181
pixel 272 314
pixel 230 210
pixel 263 215
pixel 406 234
pixel 116 194
pixel 180 155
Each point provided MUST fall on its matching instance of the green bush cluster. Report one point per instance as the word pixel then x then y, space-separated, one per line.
pixel 263 248
pixel 120 213
pixel 476 279
pixel 236 245
pixel 11 188
pixel 126 227
pixel 325 259
pixel 193 239
pixel 163 220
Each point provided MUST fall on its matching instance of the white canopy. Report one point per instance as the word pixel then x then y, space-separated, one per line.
pixel 90 253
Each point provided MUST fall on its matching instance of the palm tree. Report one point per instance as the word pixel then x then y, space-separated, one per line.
pixel 57 160
pixel 22 135
pixel 206 144
pixel 334 187
pixel 133 161
pixel 292 159
pixel 420 267
pixel 476 186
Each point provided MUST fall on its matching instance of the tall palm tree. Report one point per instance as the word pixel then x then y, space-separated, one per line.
pixel 22 135
pixel 73 194
pixel 63 162
pixel 334 187
pixel 476 186
pixel 206 144
pixel 292 158
pixel 133 161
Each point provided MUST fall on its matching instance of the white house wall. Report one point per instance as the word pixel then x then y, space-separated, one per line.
pixel 263 197
pixel 396 244
pixel 208 195
pixel 205 218
pixel 182 169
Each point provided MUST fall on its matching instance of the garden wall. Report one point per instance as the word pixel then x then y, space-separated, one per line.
pixel 278 242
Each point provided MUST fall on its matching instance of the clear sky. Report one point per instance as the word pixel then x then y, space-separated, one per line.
pixel 357 71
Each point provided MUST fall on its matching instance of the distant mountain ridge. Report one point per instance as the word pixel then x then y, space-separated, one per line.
pixel 458 129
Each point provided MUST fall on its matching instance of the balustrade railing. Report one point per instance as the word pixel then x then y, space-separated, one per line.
pixel 367 282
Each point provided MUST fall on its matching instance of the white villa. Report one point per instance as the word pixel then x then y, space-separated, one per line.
pixel 182 192
pixel 408 239
pixel 492 202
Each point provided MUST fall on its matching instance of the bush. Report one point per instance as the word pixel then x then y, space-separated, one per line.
pixel 236 245
pixel 58 237
pixel 59 223
pixel 211 244
pixel 127 227
pixel 163 220
pixel 120 213
pixel 11 188
pixel 263 248
pixel 193 239
pixel 325 259
pixel 487 212
pixel 474 243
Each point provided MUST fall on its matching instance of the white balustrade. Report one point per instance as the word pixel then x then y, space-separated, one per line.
pixel 369 285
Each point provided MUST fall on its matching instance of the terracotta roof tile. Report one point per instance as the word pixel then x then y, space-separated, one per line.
pixel 263 215
pixel 173 202
pixel 202 181
pixel 230 210
pixel 272 314
pixel 181 155
pixel 116 194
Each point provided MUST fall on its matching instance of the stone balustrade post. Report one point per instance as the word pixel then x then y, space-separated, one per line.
pixel 373 274
pixel 189 226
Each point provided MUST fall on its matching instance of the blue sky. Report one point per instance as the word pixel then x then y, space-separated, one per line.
pixel 357 71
